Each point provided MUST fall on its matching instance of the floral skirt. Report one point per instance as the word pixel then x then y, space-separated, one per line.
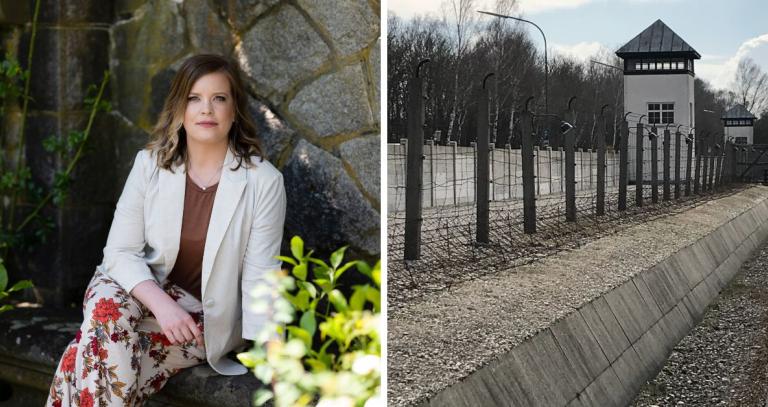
pixel 120 356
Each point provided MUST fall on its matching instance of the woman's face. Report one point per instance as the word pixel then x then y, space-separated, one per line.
pixel 210 110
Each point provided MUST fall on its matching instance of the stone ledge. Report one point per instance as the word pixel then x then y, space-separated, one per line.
pixel 32 340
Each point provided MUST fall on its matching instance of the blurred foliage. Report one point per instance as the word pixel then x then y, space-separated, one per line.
pixel 319 345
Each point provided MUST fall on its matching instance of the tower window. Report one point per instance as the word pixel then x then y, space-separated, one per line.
pixel 661 113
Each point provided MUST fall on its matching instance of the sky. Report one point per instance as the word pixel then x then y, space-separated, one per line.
pixel 723 32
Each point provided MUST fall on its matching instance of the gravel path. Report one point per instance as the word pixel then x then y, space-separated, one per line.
pixel 724 360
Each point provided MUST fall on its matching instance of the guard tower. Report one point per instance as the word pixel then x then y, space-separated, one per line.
pixel 738 122
pixel 658 83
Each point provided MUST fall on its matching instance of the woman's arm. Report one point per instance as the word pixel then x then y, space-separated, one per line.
pixel 124 253
pixel 263 248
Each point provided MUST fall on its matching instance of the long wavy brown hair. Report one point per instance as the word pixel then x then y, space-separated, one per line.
pixel 169 139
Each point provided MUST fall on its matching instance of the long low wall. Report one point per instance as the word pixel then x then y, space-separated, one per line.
pixel 586 327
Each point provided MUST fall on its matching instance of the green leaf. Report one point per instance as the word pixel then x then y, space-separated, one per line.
pixel 248 359
pixel 308 322
pixel 308 287
pixel 357 301
pixel 338 300
pixel 3 276
pixel 287 259
pixel 297 247
pixel 300 271
pixel 316 365
pixel 302 300
pixel 374 296
pixel 262 396
pixel 337 257
pixel 299 333
pixel 21 285
pixel 322 267
pixel 324 284
pixel 364 268
pixel 5 307
pixel 343 268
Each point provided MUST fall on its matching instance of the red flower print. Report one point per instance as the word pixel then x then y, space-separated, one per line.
pixel 114 337
pixel 57 403
pixel 77 336
pixel 158 381
pixel 86 398
pixel 157 337
pixel 103 354
pixel 68 363
pixel 94 346
pixel 106 310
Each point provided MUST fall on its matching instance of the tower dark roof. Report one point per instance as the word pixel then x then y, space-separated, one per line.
pixel 657 40
pixel 738 112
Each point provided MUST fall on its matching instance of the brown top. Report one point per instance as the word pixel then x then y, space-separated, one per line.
pixel 198 204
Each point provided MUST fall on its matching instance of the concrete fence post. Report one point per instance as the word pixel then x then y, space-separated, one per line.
pixel 639 165
pixel 623 165
pixel 712 169
pixel 697 175
pixel 454 147
pixel 415 163
pixel 482 179
pixel 688 164
pixel 678 139
pixel 654 135
pixel 600 202
pixel 570 177
pixel 666 170
pixel 528 160
pixel 704 170
pixel 431 145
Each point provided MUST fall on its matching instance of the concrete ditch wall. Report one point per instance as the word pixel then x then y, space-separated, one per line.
pixel 600 354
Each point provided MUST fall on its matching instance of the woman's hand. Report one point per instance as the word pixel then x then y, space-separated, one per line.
pixel 178 326
pixel 176 323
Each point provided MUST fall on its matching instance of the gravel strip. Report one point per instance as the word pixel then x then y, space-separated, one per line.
pixel 724 360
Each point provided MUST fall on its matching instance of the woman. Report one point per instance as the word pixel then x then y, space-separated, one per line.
pixel 198 225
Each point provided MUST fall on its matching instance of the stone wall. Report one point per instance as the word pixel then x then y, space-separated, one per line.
pixel 312 73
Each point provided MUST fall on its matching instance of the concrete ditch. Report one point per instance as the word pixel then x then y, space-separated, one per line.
pixel 600 351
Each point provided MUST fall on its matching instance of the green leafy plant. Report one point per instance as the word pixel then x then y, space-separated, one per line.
pixel 20 285
pixel 318 345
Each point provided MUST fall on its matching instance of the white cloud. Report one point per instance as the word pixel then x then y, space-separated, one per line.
pixel 721 74
pixel 582 51
pixel 538 6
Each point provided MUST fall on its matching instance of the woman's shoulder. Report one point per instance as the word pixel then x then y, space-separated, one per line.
pixel 261 170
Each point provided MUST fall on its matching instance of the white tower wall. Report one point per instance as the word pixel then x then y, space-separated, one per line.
pixel 740 131
pixel 639 90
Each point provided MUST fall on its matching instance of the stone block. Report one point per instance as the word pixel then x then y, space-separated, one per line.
pixel 580 348
pixel 630 310
pixel 335 103
pixel 352 24
pixel 243 13
pixel 324 205
pixel 208 33
pixel 75 12
pixel 154 36
pixel 363 155
pixel 374 60
pixel 647 297
pixel 631 370
pixel 282 49
pixel 607 390
pixel 275 134
pixel 608 334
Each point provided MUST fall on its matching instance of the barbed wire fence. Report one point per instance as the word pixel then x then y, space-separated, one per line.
pixel 457 213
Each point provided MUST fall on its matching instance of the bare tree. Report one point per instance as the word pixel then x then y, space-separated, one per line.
pixel 460 16
pixel 751 86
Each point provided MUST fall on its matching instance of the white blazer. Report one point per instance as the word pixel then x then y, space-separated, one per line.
pixel 244 236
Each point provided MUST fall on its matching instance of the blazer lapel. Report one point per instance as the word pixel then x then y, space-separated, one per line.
pixel 228 194
pixel 172 187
